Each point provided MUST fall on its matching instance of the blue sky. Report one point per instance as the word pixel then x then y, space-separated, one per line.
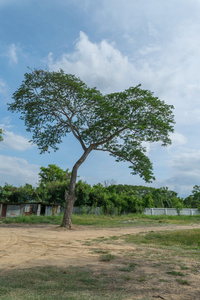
pixel 110 44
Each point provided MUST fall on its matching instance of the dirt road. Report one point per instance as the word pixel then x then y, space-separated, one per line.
pixel 24 246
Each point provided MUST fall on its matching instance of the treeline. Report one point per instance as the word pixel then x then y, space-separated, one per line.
pixel 129 198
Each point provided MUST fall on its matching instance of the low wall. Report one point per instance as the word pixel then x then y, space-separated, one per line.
pixel 171 211
pixel 147 211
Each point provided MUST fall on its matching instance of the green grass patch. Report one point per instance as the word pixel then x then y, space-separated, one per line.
pixel 107 257
pixel 131 220
pixel 175 273
pixel 33 219
pixel 128 268
pixel 142 278
pixel 185 238
pixel 103 221
pixel 73 283
pixel 183 282
pixel 100 251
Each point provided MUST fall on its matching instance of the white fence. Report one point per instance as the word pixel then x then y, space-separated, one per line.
pixel 49 210
pixel 147 211
pixel 171 211
pixel 87 210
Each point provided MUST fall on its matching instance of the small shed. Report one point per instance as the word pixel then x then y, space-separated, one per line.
pixel 18 209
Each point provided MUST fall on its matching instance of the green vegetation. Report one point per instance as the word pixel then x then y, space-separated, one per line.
pixel 85 283
pixel 73 283
pixel 129 268
pixel 113 199
pixel 183 282
pixel 130 220
pixel 54 104
pixel 174 273
pixel 107 257
pixel 187 238
pixel 33 219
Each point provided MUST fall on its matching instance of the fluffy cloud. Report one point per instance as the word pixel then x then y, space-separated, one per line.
pixel 17 171
pixel 103 65
pixel 14 141
pixel 169 69
pixel 161 40
pixel 100 65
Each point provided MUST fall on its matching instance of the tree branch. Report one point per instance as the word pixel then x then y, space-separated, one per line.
pixel 73 128
pixel 106 140
pixel 116 154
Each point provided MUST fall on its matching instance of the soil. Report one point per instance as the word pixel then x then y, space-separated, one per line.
pixel 26 246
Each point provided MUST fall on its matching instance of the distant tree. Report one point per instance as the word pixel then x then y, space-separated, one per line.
pixel 148 201
pixel 83 191
pixel 1 135
pixel 109 182
pixel 53 181
pixel 52 192
pixel 53 104
pixel 178 204
pixel 193 201
pixel 196 192
pixel 163 197
pixel 53 173
pixel 8 193
pixel 12 194
pixel 26 193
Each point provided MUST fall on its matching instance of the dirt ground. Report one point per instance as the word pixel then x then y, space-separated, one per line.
pixel 26 246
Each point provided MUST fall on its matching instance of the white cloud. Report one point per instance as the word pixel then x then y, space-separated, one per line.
pixel 161 40
pixel 170 70
pixel 149 49
pixel 100 65
pixel 188 161
pixel 185 170
pixel 12 54
pixel 177 139
pixel 14 141
pixel 17 171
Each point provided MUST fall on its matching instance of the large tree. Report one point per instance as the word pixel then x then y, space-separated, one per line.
pixel 53 104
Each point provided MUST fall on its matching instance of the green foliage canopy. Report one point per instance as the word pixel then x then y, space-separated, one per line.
pixel 52 104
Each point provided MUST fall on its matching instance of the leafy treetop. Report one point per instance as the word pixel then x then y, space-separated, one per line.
pixel 53 173
pixel 53 104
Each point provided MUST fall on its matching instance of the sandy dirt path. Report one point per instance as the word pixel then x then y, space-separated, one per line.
pixel 24 246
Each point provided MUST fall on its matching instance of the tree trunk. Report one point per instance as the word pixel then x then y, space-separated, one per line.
pixel 70 196
pixel 69 204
